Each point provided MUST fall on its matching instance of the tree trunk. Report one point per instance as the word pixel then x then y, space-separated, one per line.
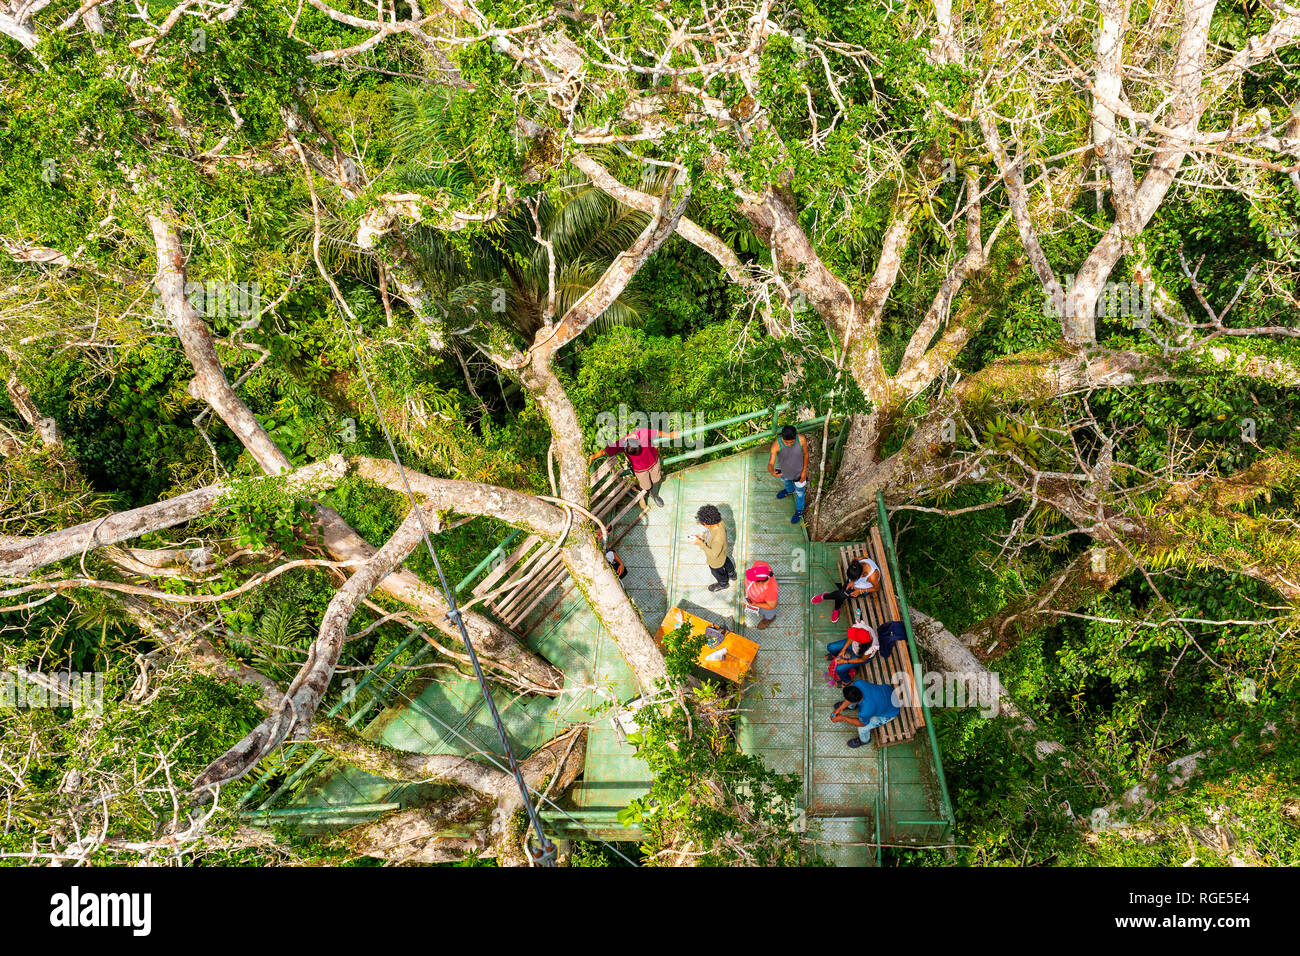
pixel 956 658
pixel 583 555
pixel 477 821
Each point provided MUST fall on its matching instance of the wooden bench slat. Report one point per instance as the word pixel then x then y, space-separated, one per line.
pixel 611 494
pixel 505 567
pixel 542 575
pixel 878 607
pixel 523 577
pixel 540 595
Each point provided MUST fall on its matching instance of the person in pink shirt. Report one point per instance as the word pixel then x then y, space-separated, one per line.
pixel 639 446
pixel 760 592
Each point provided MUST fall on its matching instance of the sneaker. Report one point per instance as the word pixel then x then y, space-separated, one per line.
pixel 657 500
pixel 819 598
pixel 717 587
pixel 781 494
pixel 830 657
pixel 835 615
pixel 855 742
pixel 798 516
pixel 765 622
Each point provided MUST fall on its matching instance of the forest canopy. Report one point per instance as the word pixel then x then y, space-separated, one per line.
pixel 292 294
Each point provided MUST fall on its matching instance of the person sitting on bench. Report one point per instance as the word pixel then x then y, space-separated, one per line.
pixel 616 562
pixel 864 577
pixel 874 704
pixel 857 648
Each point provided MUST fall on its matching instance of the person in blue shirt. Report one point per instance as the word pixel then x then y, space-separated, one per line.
pixel 866 706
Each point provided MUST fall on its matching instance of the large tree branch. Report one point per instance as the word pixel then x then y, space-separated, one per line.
pixel 1107 89
pixel 26 252
pixel 16 30
pixel 687 228
pixel 915 372
pixel 296 710
pixel 454 826
pixel 614 280
pixel 493 641
pixel 1087 576
pixel 956 658
pixel 582 554
pixel 47 428
pixel 467 497
pixel 1013 181
pixel 19 557
pixel 1079 304
pixel 924 460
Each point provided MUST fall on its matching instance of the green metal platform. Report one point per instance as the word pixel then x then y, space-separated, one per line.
pixel 854 799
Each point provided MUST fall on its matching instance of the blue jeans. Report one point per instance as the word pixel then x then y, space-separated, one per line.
pixel 864 733
pixel 843 671
pixel 799 494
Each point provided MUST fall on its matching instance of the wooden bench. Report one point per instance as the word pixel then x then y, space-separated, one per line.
pixel 530 574
pixel 876 607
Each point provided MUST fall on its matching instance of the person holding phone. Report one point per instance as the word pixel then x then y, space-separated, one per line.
pixel 854 650
pixel 789 462
pixel 713 541
pixel 866 706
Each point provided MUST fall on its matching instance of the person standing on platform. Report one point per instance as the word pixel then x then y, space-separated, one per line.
pixel 789 462
pixel 713 541
pixel 760 593
pixel 639 446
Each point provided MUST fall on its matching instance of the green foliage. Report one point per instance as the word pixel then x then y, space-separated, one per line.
pixel 70 757
pixel 266 514
pixel 681 652
pixel 89 144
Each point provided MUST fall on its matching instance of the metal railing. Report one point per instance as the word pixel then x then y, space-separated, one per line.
pixel 375 698
pixel 948 822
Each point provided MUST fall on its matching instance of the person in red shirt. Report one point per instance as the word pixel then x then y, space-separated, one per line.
pixel 643 457
pixel 760 592
pixel 856 649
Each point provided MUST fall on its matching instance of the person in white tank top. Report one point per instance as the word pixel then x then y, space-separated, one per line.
pixel 863 578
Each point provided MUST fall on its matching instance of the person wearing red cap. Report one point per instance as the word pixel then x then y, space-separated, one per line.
pixel 760 592
pixel 856 649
